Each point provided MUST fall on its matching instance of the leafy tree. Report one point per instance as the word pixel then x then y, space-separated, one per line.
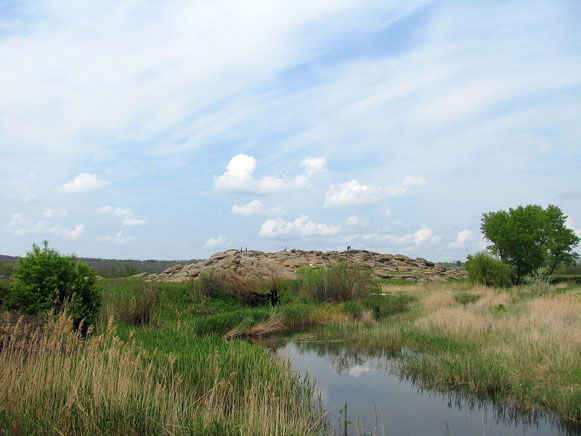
pixel 45 280
pixel 530 237
pixel 485 269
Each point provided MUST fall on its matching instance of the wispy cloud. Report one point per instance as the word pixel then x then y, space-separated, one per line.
pixel 118 239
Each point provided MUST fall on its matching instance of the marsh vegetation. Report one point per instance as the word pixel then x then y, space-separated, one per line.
pixel 164 358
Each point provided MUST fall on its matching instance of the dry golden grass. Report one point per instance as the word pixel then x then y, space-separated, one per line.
pixel 53 381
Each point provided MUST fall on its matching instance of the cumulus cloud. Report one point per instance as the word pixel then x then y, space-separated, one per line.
pixel 425 234
pixel 239 179
pixel 300 226
pixel 118 239
pixel 256 207
pixel 75 233
pixel 215 242
pixel 84 182
pixel 354 193
pixel 461 238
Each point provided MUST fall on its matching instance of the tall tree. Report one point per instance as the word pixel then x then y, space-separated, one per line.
pixel 530 237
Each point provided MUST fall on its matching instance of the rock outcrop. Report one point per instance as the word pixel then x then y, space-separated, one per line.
pixel 254 265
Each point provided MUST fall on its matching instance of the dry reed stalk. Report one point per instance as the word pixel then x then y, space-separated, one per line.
pixel 273 324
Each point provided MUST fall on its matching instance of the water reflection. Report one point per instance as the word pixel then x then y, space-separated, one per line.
pixel 382 402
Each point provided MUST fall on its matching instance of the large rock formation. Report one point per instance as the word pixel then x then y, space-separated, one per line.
pixel 254 264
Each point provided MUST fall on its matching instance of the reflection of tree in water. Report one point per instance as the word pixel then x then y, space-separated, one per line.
pixel 341 357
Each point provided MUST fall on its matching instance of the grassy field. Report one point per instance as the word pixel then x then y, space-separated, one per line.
pixel 157 361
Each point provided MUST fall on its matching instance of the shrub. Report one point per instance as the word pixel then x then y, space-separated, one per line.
pixel 390 304
pixel 538 281
pixel 485 269
pixel 342 281
pixel 47 281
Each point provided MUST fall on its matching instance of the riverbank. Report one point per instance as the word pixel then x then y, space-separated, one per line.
pixel 157 361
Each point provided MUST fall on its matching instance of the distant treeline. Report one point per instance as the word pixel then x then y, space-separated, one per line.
pixel 454 265
pixel 109 268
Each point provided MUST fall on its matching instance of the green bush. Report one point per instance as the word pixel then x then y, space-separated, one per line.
pixel 389 304
pixel 341 281
pixel 45 280
pixel 485 269
pixel 538 281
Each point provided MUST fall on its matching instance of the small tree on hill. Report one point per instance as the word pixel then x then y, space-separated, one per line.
pixel 528 238
pixel 45 280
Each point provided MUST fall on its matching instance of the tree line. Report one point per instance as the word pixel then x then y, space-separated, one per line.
pixel 109 268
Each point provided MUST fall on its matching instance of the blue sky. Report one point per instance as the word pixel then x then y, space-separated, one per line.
pixel 171 130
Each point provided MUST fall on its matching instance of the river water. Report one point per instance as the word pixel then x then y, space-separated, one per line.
pixel 380 402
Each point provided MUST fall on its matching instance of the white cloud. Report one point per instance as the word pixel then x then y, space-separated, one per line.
pixel 84 182
pixel 55 213
pixel 352 193
pixel 419 237
pixel 23 188
pixel 256 207
pixel 314 165
pixel 117 239
pixel 425 234
pixel 117 211
pixel 19 225
pixel 215 242
pixel 405 184
pixel 461 238
pixel 133 222
pixel 300 226
pixel 353 220
pixel 128 219
pixel 571 225
pixel 239 179
pixel 75 233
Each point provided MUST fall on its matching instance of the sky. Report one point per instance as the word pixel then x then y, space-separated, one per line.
pixel 172 130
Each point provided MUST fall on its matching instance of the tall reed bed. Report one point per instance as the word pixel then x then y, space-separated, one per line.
pixel 54 381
